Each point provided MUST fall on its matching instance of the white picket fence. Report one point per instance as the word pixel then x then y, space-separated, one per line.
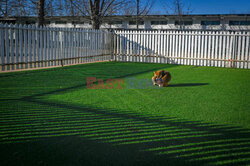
pixel 23 47
pixel 200 48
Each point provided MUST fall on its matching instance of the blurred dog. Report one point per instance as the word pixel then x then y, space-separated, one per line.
pixel 161 78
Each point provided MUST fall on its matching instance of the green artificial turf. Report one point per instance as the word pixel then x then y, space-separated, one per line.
pixel 50 117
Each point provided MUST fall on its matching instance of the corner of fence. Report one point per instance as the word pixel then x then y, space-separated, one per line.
pixel 112 45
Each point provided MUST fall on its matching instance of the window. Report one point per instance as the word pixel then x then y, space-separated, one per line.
pixel 60 22
pixel 134 22
pixel 183 23
pixel 8 21
pixel 159 22
pixel 30 22
pixel 77 22
pixel 239 23
pixel 210 22
pixel 115 22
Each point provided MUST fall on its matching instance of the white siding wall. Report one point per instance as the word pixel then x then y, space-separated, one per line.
pixel 147 25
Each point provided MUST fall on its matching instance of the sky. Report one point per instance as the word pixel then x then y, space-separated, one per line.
pixel 208 6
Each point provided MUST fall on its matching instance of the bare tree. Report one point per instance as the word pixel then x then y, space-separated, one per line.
pixel 129 9
pixel 20 8
pixel 136 7
pixel 33 7
pixel 72 7
pixel 97 9
pixel 179 8
pixel 6 7
pixel 59 7
pixel 137 13
pixel 41 8
pixel 41 13
pixel 50 8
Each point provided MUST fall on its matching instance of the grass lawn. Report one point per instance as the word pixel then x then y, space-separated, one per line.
pixel 49 117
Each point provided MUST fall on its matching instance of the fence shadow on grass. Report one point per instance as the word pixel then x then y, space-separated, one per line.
pixel 38 132
pixel 81 134
pixel 42 82
pixel 187 84
pixel 115 75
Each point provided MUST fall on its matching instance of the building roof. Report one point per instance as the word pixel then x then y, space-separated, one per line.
pixel 130 17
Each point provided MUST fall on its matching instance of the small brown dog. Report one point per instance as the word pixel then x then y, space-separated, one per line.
pixel 161 78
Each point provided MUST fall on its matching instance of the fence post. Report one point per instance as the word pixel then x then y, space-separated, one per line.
pixel 112 36
pixel 60 38
pixel 115 47
pixel 233 51
pixel 2 45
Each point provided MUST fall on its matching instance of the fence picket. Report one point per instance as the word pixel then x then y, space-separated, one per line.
pixel 7 50
pixel 45 47
pixel 41 46
pixel 247 52
pixel 136 47
pixel 48 47
pixel 85 43
pixel 128 53
pixel 145 46
pixel 230 50
pixel 188 47
pixel 149 46
pixel 29 46
pixel 163 47
pixel 12 47
pixel 170 47
pixel 209 45
pixel 80 46
pixel 141 47
pixel 158 54
pixel 242 64
pixel 94 45
pixel 77 46
pixel 174 46
pixel 2 45
pixel 25 46
pixel 21 45
pixel 199 49
pixel 220 49
pixel 195 39
pixel 216 50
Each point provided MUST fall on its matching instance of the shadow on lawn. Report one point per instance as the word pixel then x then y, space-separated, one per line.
pixel 37 132
pixel 49 81
pixel 107 71
pixel 79 135
pixel 187 84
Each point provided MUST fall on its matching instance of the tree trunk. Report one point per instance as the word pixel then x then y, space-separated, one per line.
pixel 137 13
pixel 95 14
pixel 41 21
pixel 6 9
pixel 95 22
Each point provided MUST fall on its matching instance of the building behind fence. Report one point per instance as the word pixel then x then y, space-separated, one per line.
pixel 233 22
pixel 23 47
